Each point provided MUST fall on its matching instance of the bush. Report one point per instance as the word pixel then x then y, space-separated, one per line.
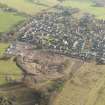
pixel 56 86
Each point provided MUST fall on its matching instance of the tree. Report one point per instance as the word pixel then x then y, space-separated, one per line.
pixel 87 22
pixel 67 12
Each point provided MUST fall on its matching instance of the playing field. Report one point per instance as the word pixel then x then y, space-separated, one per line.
pixel 86 6
pixel 8 20
pixel 28 6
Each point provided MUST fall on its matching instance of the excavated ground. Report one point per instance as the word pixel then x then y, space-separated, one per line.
pixel 43 66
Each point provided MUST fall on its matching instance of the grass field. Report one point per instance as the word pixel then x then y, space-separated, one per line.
pixel 87 87
pixel 86 6
pixel 28 6
pixel 8 20
pixel 3 46
pixel 32 8
pixel 7 67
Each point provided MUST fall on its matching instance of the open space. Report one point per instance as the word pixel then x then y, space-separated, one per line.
pixel 8 69
pixel 86 87
pixel 86 6
pixel 8 20
pixel 22 94
pixel 28 6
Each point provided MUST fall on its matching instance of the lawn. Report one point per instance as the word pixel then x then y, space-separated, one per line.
pixel 28 6
pixel 86 6
pixel 8 20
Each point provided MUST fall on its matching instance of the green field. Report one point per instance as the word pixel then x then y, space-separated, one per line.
pixel 28 6
pixel 86 6
pixel 3 46
pixel 8 20
pixel 7 67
